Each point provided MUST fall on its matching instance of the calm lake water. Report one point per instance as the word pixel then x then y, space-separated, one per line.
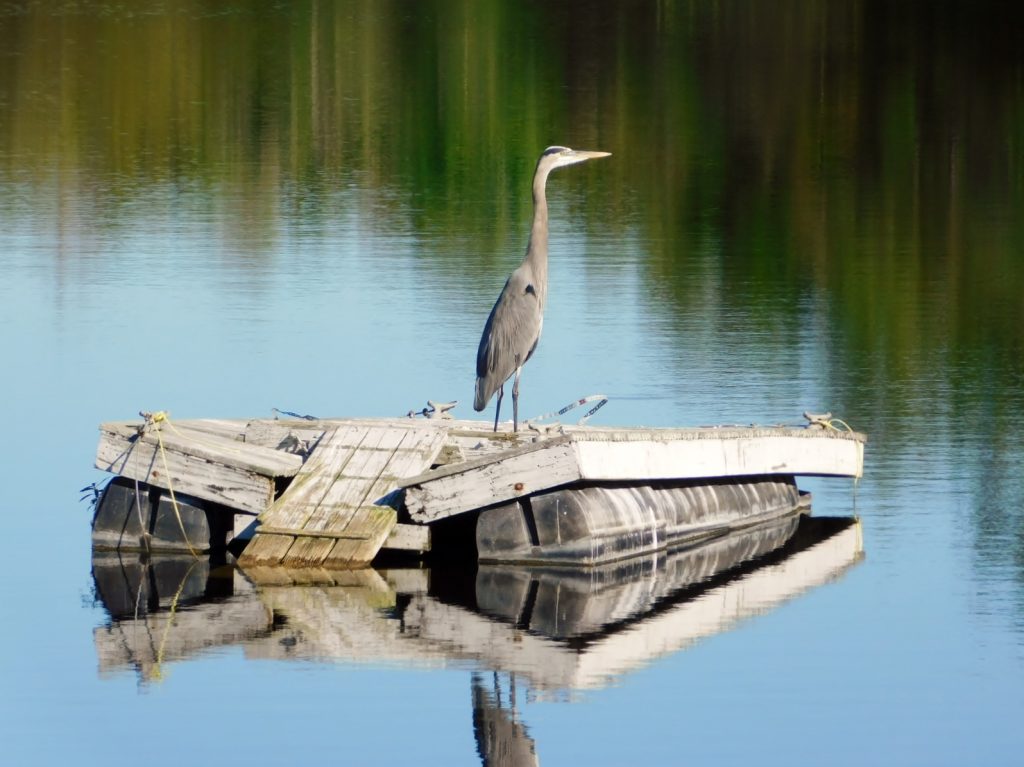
pixel 216 209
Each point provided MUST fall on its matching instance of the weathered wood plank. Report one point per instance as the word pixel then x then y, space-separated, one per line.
pixel 265 549
pixel 359 474
pixel 271 433
pixel 450 453
pixel 377 523
pixel 325 534
pixel 210 447
pixel 779 453
pixel 347 491
pixel 514 451
pixel 648 434
pixel 402 537
pixel 229 428
pixel 236 487
pixel 414 451
pixel 331 515
pixel 299 502
pixel 465 446
pixel 408 538
pixel 447 491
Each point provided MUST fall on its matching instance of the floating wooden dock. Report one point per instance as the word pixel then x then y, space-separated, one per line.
pixel 332 493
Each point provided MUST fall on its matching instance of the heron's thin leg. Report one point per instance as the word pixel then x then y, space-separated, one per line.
pixel 497 410
pixel 515 401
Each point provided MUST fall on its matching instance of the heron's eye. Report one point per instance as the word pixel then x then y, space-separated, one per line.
pixel 529 289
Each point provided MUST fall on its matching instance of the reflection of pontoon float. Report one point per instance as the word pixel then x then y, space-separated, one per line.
pixel 561 629
pixel 332 493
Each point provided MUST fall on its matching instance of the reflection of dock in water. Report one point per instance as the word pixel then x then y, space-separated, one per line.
pixel 169 609
pixel 582 629
pixel 557 628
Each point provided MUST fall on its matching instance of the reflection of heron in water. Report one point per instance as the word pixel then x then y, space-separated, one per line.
pixel 501 739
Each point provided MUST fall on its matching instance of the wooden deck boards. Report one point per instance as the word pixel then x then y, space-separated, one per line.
pixel 337 496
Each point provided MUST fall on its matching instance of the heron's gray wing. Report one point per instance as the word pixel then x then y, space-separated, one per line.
pixel 509 337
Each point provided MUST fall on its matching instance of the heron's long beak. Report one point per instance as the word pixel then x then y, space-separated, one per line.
pixel 573 156
pixel 584 154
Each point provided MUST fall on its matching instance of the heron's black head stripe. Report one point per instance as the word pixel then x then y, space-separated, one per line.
pixel 554 150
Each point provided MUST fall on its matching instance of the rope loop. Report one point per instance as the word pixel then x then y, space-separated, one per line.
pixel 826 421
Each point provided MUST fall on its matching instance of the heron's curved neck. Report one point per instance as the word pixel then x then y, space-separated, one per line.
pixel 537 250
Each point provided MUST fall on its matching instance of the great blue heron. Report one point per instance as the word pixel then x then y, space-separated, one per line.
pixel 514 325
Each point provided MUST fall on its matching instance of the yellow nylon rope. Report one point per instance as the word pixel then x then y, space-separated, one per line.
pixel 157 674
pixel 154 419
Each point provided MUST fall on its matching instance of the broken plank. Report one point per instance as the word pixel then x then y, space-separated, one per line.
pixel 483 482
pixel 376 523
pixel 514 450
pixel 349 498
pixel 141 459
pixel 408 538
pixel 415 452
pixel 346 491
pixel 351 484
pixel 298 503
pixel 355 506
pixel 332 515
pixel 208 446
